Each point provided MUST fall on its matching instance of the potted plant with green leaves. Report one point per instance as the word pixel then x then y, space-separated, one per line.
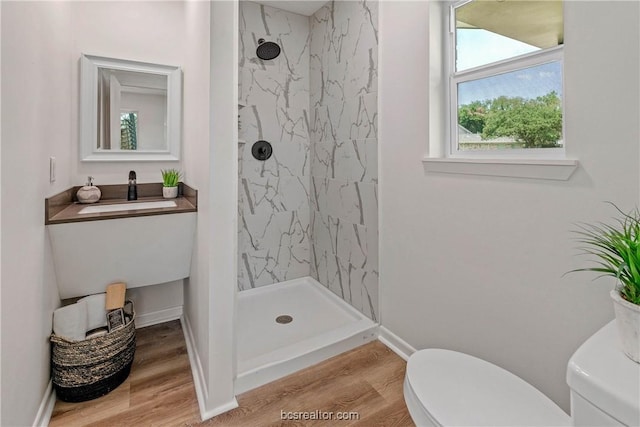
pixel 170 180
pixel 616 249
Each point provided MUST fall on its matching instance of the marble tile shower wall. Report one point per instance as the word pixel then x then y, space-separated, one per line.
pixel 312 208
pixel 344 176
pixel 274 218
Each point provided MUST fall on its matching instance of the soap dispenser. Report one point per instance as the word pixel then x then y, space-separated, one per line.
pixel 89 193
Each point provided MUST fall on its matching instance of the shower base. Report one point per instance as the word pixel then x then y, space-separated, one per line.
pixel 313 325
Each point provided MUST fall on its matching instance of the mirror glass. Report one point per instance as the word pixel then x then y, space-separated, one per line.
pixel 130 111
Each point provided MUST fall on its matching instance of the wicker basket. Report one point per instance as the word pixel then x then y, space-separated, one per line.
pixel 85 370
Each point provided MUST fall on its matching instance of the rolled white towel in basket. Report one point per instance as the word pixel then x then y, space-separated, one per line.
pixel 96 312
pixel 70 321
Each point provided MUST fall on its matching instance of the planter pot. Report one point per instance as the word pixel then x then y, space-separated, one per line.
pixel 169 192
pixel 628 321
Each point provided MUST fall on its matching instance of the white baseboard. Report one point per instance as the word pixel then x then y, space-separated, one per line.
pixel 196 367
pixel 395 343
pixel 46 407
pixel 198 376
pixel 219 410
pixel 156 317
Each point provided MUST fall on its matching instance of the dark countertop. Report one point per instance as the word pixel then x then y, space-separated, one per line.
pixel 64 207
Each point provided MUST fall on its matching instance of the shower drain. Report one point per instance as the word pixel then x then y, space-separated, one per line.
pixel 285 318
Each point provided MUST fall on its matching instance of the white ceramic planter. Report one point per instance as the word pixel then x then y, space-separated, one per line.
pixel 169 192
pixel 628 321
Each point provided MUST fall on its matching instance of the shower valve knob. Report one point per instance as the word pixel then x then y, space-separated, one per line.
pixel 261 150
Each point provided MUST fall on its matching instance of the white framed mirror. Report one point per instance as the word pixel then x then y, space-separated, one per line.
pixel 129 110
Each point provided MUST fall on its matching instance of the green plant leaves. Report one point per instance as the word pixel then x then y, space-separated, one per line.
pixel 170 177
pixel 617 251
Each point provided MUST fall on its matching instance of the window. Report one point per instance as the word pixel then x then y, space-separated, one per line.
pixel 505 71
pixel 129 130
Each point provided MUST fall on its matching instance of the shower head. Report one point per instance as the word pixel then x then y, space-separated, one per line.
pixel 267 50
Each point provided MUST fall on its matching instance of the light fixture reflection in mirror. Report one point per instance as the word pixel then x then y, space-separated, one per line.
pixel 130 111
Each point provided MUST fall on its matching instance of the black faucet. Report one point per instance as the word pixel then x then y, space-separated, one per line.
pixel 132 194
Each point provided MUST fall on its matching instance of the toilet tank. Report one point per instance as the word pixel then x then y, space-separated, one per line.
pixel 604 382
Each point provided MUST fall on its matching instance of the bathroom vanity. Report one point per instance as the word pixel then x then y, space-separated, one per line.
pixel 143 242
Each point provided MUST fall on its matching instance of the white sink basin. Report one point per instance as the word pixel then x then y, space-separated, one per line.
pixel 128 207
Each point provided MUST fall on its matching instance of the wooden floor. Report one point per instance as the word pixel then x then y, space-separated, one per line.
pixel 364 384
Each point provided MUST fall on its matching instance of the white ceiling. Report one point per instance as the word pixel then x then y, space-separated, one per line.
pixel 302 7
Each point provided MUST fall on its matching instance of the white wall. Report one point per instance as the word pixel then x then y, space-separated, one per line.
pixel 475 263
pixel 157 303
pixel 152 117
pixel 41 47
pixel 36 106
pixel 223 202
pixel 196 159
pixel 147 31
pixel 0 215
pixel 211 154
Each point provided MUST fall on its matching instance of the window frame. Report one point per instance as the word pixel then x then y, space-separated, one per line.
pixel 527 60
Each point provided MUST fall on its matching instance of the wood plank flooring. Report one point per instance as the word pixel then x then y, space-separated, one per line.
pixel 364 384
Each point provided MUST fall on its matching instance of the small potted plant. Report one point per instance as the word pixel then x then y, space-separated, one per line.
pixel 170 179
pixel 617 251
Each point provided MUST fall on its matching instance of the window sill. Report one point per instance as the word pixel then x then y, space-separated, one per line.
pixel 559 170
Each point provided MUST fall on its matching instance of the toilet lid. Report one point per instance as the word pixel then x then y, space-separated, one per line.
pixel 457 389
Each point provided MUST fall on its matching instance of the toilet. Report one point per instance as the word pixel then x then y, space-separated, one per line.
pixel 449 388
